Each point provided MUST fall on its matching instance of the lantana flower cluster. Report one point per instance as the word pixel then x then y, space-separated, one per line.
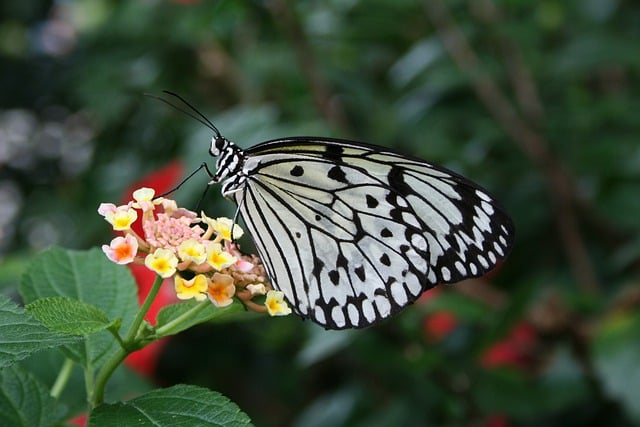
pixel 198 252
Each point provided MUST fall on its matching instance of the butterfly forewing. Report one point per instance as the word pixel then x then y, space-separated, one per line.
pixel 352 233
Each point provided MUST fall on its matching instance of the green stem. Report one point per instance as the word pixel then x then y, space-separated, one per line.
pixel 193 311
pixel 62 379
pixel 143 310
pixel 129 345
pixel 97 397
pixel 117 336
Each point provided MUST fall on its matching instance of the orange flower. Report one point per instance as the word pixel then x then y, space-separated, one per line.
pixel 221 290
pixel 122 250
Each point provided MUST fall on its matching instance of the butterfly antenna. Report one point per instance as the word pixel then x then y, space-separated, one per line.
pixel 198 116
pixel 195 110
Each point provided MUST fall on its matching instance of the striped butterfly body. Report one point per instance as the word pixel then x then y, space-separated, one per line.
pixel 352 233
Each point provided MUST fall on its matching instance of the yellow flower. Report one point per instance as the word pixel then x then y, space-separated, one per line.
pixel 218 258
pixel 120 217
pixel 222 226
pixel 192 250
pixel 163 262
pixel 194 288
pixel 221 290
pixel 276 305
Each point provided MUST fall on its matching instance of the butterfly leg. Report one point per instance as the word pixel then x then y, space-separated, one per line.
pixel 202 166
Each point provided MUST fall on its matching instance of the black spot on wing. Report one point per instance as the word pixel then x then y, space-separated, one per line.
pixel 337 174
pixel 385 232
pixel 333 153
pixel 385 260
pixel 396 181
pixel 334 276
pixel 341 261
pixel 372 202
pixel 297 171
pixel 317 267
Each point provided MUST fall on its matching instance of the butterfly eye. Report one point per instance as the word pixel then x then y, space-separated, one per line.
pixel 218 144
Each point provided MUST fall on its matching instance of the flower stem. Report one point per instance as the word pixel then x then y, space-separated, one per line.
pixel 129 345
pixel 62 379
pixel 135 326
pixel 97 397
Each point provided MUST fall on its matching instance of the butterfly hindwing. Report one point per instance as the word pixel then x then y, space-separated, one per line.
pixel 352 233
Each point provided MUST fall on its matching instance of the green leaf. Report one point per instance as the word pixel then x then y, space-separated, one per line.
pixel 89 277
pixel 45 366
pixel 206 314
pixel 69 316
pixel 21 335
pixel 24 401
pixel 178 405
pixel 616 354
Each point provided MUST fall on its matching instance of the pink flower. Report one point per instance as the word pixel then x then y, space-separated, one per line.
pixel 169 232
pixel 122 250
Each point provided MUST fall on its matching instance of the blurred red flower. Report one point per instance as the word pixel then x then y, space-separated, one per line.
pixel 515 350
pixel 496 420
pixel 438 324
pixel 80 420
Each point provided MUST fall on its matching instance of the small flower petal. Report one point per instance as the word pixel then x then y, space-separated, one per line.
pixel 218 258
pixel 144 199
pixel 144 194
pixel 106 208
pixel 221 290
pixel 192 250
pixel 223 226
pixel 256 289
pixel 163 262
pixel 122 250
pixel 276 305
pixel 169 206
pixel 194 288
pixel 120 218
pixel 243 266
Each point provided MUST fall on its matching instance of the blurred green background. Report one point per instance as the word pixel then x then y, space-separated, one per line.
pixel 537 101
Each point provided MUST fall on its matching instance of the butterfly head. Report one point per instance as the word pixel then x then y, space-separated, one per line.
pixel 230 158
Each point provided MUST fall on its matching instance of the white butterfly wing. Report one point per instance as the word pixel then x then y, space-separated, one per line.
pixel 352 233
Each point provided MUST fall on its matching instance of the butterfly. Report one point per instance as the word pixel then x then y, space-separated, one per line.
pixel 352 233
